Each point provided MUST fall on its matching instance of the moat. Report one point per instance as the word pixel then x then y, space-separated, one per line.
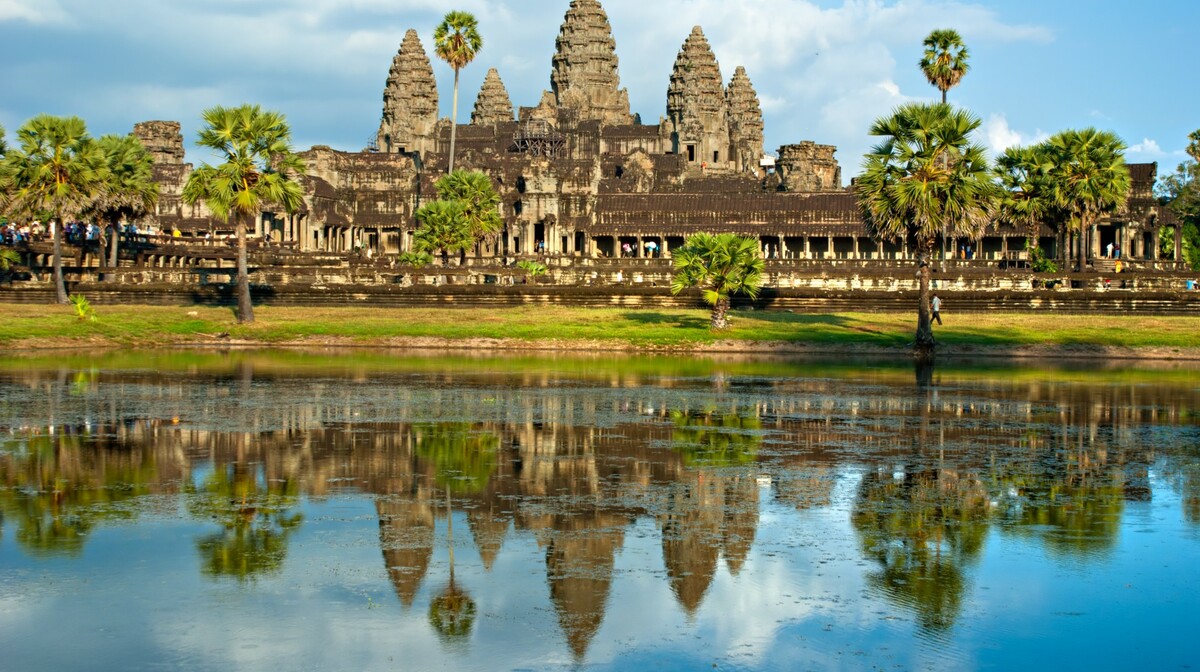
pixel 391 511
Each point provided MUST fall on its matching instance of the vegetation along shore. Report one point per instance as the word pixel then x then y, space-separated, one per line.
pixel 30 327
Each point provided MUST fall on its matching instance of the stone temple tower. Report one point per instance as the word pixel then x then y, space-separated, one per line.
pixel 584 76
pixel 697 112
pixel 410 102
pixel 745 123
pixel 493 105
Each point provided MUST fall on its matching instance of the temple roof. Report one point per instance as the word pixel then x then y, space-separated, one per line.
pixel 493 104
pixel 696 95
pixel 584 75
pixel 683 213
pixel 410 98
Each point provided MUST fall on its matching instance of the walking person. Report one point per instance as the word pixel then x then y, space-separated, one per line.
pixel 936 306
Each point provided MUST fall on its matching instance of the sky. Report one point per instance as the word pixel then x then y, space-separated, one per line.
pixel 823 69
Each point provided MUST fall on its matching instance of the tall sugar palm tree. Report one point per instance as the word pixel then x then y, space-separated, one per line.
pixel 721 265
pixel 56 171
pixel 3 145
pixel 925 179
pixel 260 168
pixel 1089 178
pixel 129 189
pixel 481 203
pixel 443 228
pixel 456 41
pixel 945 59
pixel 1026 199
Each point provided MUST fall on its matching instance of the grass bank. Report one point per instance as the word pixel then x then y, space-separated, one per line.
pixel 42 326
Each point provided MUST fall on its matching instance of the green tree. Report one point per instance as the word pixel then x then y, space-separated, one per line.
pixel 480 202
pixel 924 180
pixel 945 60
pixel 259 168
pixel 55 172
pixel 721 265
pixel 129 190
pixel 1026 199
pixel 443 228
pixel 3 144
pixel 1180 191
pixel 1089 178
pixel 456 41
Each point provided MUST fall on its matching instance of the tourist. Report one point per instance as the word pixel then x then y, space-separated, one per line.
pixel 936 306
pixel 1117 251
pixel 1108 251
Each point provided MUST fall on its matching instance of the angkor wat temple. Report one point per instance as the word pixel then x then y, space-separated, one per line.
pixel 581 177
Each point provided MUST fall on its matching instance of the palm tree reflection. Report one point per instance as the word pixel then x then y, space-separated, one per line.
pixel 255 517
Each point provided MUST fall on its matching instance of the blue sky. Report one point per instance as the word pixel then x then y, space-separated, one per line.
pixel 824 69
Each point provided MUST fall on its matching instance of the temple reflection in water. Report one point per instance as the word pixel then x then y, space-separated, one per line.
pixel 932 468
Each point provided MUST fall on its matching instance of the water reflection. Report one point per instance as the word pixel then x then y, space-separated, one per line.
pixel 256 517
pixel 935 471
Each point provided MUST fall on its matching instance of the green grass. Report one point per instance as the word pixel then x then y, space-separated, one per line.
pixel 26 326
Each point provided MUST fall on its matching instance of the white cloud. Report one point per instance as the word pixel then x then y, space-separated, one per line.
pixel 33 11
pixel 1000 136
pixel 1147 149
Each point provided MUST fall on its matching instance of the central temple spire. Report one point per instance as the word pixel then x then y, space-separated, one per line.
pixel 584 76
pixel 697 111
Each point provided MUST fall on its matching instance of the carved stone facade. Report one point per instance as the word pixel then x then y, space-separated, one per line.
pixel 410 102
pixel 579 177
pixel 492 106
pixel 745 123
pixel 162 139
pixel 584 75
pixel 697 110
pixel 807 167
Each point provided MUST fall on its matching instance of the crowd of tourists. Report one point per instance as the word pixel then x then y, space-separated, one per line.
pixel 76 233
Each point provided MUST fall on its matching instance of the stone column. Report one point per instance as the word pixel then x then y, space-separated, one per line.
pixel 807 248
pixel 829 249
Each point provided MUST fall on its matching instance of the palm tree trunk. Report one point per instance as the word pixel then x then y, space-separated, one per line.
pixel 1083 243
pixel 720 314
pixel 923 345
pixel 60 287
pixel 113 245
pixel 245 307
pixel 453 120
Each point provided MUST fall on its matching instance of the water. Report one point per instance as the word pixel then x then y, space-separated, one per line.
pixel 263 511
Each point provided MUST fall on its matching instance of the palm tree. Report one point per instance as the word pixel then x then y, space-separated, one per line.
pixel 3 145
pixel 129 188
pixel 443 227
pixel 1025 199
pixel 924 180
pixel 456 41
pixel 945 59
pixel 481 203
pixel 721 265
pixel 55 172
pixel 259 168
pixel 1089 178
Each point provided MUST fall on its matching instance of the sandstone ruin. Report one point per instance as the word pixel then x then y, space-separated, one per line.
pixel 582 179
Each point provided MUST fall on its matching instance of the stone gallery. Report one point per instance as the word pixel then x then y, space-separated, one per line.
pixel 582 177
